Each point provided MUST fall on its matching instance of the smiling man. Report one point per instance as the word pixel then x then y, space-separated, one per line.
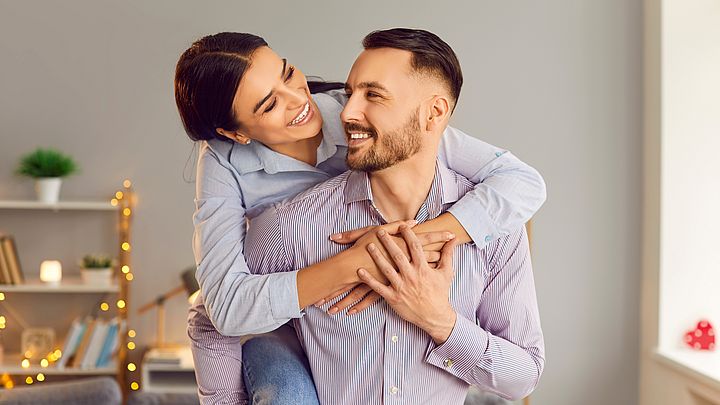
pixel 473 320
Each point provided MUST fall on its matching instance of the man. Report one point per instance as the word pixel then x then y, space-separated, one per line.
pixel 471 320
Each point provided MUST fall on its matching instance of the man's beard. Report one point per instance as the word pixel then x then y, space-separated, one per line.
pixel 390 149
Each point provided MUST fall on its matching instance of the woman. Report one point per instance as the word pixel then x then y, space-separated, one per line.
pixel 266 138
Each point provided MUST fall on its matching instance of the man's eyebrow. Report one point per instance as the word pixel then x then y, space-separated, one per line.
pixel 261 102
pixel 367 85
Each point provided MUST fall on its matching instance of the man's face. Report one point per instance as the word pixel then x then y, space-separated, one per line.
pixel 381 118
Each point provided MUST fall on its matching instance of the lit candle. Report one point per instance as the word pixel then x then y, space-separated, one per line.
pixel 51 272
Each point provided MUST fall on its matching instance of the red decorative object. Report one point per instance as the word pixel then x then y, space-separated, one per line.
pixel 702 337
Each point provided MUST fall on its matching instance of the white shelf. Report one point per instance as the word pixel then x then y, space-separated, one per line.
pixel 161 377
pixel 68 285
pixel 62 205
pixel 702 366
pixel 11 365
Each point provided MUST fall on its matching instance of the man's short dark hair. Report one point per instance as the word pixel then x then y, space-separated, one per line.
pixel 430 54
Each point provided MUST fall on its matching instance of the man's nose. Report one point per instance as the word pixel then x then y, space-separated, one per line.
pixel 352 111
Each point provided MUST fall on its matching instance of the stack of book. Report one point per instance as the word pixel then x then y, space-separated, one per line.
pixel 10 270
pixel 90 343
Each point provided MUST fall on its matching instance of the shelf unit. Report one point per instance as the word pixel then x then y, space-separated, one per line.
pixel 121 205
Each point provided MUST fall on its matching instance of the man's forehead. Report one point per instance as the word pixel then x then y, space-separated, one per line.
pixel 379 65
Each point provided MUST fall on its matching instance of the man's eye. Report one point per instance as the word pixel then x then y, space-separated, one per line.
pixel 372 94
pixel 271 106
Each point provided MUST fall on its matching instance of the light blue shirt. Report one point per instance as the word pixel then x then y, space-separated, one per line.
pixel 237 182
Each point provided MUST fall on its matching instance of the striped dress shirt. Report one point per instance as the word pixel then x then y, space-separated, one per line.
pixel 376 356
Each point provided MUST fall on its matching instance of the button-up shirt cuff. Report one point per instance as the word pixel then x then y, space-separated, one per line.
pixel 477 222
pixel 284 303
pixel 462 351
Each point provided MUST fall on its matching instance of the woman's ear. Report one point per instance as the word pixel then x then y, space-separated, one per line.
pixel 439 113
pixel 236 136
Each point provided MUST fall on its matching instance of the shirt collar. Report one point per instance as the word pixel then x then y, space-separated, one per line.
pixel 444 185
pixel 256 156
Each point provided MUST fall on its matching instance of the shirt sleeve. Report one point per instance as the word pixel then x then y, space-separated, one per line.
pixel 238 302
pixel 507 191
pixel 502 351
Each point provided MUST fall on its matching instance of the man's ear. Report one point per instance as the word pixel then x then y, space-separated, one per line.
pixel 236 136
pixel 439 113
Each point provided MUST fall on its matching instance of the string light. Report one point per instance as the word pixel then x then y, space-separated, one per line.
pixel 28 354
pixel 104 306
pixel 25 363
pixel 131 345
pixel 40 377
pixel 57 353
pixel 125 246
pixel 134 386
pixel 119 195
pixel 114 202
pixel 127 184
pixel 125 269
pixel 121 304
pixel 131 333
pixel 9 385
pixel 126 212
pixel 131 367
pixel 44 363
pixel 2 296
pixel 29 380
pixel 129 277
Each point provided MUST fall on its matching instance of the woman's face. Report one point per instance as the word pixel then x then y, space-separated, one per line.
pixel 273 103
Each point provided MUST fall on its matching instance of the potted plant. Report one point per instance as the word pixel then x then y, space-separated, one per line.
pixel 47 167
pixel 96 269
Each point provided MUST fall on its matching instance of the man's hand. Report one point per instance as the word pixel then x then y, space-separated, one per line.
pixel 417 292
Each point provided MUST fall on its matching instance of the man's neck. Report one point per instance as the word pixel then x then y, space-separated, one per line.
pixel 399 191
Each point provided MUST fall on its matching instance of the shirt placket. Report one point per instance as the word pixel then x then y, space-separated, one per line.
pixel 393 360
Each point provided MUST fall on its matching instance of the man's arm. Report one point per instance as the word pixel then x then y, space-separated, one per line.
pixel 503 351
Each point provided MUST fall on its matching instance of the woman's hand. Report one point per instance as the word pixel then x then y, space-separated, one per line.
pixel 432 244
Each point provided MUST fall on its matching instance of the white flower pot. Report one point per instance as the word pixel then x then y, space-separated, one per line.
pixel 48 189
pixel 97 276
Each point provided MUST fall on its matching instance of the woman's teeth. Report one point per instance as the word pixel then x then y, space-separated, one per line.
pixel 359 136
pixel 302 115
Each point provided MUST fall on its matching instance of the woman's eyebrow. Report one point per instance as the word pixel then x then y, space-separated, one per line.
pixel 261 102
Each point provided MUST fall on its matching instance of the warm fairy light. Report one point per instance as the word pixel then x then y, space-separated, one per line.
pixel 131 333
pixel 114 202
pixel 134 386
pixel 57 353
pixel 28 380
pixel 131 367
pixel 2 319
pixel 125 269
pixel 121 304
pixel 104 306
pixel 9 384
pixel 125 246
pixel 40 377
pixel 2 326
pixel 25 363
pixel 119 195
pixel 28 354
pixel 44 363
pixel 52 357
pixel 2 296
pixel 131 345
pixel 129 277
pixel 126 212
pixel 127 184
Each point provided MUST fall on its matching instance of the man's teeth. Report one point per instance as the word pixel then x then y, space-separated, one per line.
pixel 359 136
pixel 302 114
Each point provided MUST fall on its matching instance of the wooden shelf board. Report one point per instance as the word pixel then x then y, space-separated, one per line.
pixel 62 205
pixel 68 285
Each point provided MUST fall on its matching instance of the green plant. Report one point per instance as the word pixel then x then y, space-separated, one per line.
pixel 96 262
pixel 46 163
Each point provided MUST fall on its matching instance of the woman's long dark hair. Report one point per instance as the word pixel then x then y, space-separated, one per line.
pixel 207 77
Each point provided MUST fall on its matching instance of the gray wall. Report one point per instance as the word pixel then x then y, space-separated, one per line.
pixel 557 82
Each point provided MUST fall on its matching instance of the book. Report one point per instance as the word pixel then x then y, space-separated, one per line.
pixel 71 340
pixel 81 350
pixel 13 262
pixel 106 351
pixel 4 269
pixel 95 345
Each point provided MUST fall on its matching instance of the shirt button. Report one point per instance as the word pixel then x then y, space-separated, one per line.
pixel 394 338
pixel 488 238
pixel 448 363
pixel 394 390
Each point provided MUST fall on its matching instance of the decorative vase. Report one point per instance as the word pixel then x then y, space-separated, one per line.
pixel 97 276
pixel 48 189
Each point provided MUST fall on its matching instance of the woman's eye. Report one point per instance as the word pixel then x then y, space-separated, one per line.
pixel 271 106
pixel 291 71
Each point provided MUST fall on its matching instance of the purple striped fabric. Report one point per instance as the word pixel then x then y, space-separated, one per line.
pixel 377 357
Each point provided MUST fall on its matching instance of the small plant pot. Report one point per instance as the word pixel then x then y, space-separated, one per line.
pixel 97 276
pixel 48 189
